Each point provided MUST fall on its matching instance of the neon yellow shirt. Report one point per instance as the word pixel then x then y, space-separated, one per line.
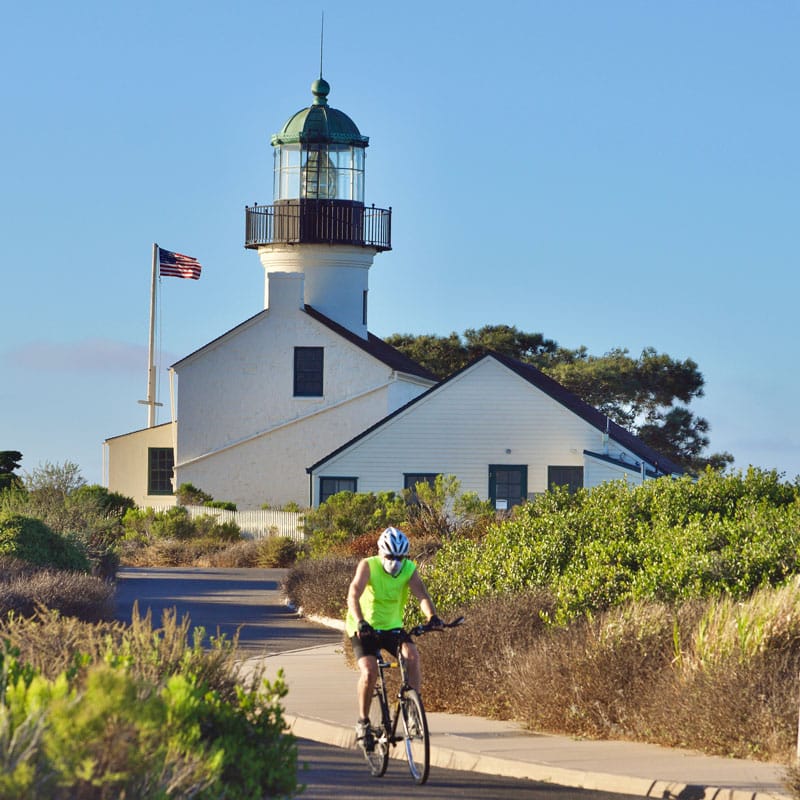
pixel 384 597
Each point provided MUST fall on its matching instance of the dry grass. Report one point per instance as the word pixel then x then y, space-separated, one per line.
pixel 273 551
pixel 50 643
pixel 24 588
pixel 467 667
pixel 632 673
pixel 320 586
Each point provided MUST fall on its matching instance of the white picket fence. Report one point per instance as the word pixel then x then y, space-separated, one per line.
pixel 254 524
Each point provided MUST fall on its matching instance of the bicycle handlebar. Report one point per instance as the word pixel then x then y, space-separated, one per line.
pixel 427 628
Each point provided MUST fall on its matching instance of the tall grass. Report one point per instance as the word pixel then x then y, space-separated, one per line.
pixel 717 676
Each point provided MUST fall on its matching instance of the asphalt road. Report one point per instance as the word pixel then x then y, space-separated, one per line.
pixel 224 600
pixel 333 772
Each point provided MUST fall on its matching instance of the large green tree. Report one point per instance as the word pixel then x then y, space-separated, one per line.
pixel 648 394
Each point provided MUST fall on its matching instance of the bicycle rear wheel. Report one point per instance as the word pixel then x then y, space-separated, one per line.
pixel 378 757
pixel 417 741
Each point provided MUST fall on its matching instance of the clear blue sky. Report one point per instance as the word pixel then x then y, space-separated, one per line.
pixel 615 174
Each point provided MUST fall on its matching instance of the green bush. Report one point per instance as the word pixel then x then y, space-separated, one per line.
pixel 226 505
pixel 345 515
pixel 140 713
pixel 277 551
pixel 31 540
pixel 666 540
pixel 442 511
pixel 189 495
pixel 89 514
pixel 144 527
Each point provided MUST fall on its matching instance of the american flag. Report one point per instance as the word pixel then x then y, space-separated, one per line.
pixel 177 265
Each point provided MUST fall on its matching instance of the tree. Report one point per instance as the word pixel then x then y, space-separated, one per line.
pixel 55 478
pixel 9 461
pixel 642 394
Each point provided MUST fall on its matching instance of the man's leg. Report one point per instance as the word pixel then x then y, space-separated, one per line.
pixel 368 666
pixel 413 665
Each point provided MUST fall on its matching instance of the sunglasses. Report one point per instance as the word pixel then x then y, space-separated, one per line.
pixel 395 558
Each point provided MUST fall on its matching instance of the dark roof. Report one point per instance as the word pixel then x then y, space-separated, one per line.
pixel 376 347
pixel 561 395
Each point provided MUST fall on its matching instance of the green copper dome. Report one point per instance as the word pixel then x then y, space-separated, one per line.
pixel 319 123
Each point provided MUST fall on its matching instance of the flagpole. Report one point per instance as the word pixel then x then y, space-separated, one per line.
pixel 151 365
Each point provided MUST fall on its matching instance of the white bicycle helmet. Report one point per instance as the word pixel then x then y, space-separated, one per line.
pixel 393 542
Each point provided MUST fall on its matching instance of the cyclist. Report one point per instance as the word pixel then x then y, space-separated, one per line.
pixel 375 602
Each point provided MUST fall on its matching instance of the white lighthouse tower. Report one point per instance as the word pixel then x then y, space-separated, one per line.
pixel 318 225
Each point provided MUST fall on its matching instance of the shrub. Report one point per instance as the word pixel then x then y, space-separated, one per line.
pixel 239 555
pixel 277 551
pixel 31 540
pixel 171 538
pixel 88 514
pixel 174 523
pixel 76 594
pixel 466 668
pixel 667 540
pixel 189 495
pixel 320 586
pixel 346 515
pixel 442 511
pixel 226 505
pixel 141 713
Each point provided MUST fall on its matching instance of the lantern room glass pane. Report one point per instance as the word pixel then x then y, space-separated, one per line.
pixel 286 180
pixel 319 172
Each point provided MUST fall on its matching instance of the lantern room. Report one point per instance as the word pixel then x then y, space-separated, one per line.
pixel 318 185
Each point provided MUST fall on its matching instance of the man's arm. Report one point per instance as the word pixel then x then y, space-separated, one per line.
pixel 421 593
pixel 357 586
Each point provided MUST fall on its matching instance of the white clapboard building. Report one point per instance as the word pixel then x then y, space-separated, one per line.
pixel 301 401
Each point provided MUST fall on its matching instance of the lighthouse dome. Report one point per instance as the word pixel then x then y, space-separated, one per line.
pixel 319 123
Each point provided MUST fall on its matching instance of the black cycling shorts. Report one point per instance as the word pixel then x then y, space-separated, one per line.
pixel 382 640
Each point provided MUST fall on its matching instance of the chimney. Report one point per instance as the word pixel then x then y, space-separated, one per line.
pixel 284 290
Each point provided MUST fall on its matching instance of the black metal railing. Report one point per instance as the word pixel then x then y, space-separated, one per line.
pixel 318 222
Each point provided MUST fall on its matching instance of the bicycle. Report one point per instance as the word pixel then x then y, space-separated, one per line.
pixel 408 707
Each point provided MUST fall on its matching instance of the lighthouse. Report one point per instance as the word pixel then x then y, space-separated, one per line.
pixel 318 225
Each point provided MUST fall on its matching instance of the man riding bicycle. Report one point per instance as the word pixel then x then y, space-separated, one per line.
pixel 375 603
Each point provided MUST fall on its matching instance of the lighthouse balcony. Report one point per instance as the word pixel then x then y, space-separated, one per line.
pixel 318 222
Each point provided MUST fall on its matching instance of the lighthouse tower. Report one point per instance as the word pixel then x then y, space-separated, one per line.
pixel 318 225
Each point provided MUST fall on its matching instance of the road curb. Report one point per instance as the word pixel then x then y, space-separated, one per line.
pixel 331 733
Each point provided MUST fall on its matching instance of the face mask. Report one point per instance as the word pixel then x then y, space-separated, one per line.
pixel 391 566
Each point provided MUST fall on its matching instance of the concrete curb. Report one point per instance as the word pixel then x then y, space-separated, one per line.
pixel 447 758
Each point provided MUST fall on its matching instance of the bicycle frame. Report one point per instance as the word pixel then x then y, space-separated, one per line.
pixel 390 716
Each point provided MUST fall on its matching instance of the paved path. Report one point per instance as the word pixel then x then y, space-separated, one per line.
pixel 321 702
pixel 321 706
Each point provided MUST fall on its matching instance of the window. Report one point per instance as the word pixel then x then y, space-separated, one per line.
pixel 508 485
pixel 364 308
pixel 330 486
pixel 160 461
pixel 411 479
pixel 571 477
pixel 308 362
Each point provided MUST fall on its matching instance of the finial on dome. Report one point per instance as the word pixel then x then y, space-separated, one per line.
pixel 320 89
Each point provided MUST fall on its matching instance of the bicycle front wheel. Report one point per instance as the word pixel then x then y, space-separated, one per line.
pixel 417 740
